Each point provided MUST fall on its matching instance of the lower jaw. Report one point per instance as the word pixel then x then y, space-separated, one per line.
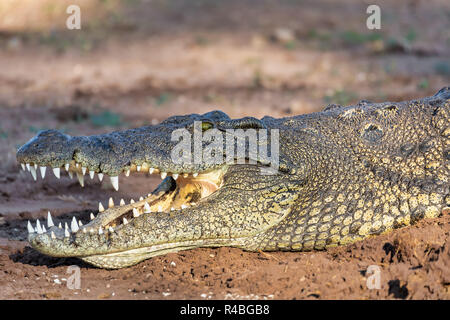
pixel 169 196
pixel 131 257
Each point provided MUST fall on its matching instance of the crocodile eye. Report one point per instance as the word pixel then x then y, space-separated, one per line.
pixel 206 125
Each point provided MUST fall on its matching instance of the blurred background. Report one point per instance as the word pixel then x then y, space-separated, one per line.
pixel 136 62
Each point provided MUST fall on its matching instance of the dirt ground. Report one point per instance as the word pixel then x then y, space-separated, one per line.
pixel 138 62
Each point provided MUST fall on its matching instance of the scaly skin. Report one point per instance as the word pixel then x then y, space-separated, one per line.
pixel 345 173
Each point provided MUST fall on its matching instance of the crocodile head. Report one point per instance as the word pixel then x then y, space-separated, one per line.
pixel 214 200
pixel 300 183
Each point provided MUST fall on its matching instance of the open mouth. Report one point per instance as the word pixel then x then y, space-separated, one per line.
pixel 196 204
pixel 176 192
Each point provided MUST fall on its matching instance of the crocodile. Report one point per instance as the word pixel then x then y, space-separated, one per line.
pixel 343 174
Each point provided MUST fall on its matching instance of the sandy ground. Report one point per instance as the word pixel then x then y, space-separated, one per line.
pixel 138 62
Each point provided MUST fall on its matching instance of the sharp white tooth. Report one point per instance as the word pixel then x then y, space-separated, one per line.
pixel 35 166
pixel 80 179
pixel 43 229
pixel 151 170
pixel 30 227
pixel 83 170
pixel 91 174
pixel 175 176
pixel 135 213
pixel 27 165
pixel 111 229
pixel 60 225
pixel 141 198
pixel 100 177
pixel 163 175
pixel 115 182
pixel 74 225
pixel 53 235
pixel 100 230
pixel 195 174
pixel 56 172
pixel 131 201
pixel 183 206
pixel 138 168
pixel 127 173
pixel 70 174
pixel 38 227
pixel 160 209
pixel 49 220
pixel 66 230
pixel 80 224
pixel 33 173
pixel 66 166
pixel 92 216
pixel 125 221
pixel 100 207
pixel 66 226
pixel 110 203
pixel 122 202
pixel 185 175
pixel 147 208
pixel 23 166
pixel 43 171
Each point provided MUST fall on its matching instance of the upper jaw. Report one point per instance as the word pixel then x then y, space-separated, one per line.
pixel 110 154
